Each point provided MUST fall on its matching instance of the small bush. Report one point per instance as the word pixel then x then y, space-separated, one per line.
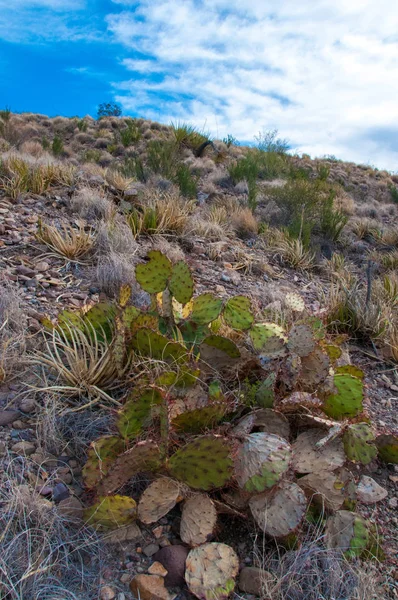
pixel 162 158
pixel 130 134
pixel 230 140
pixel 187 136
pixel 109 109
pixel 57 146
pixel 268 141
pixel 82 125
pixel 91 156
pixel 393 191
pixel 332 220
pixel 133 167
pixel 186 181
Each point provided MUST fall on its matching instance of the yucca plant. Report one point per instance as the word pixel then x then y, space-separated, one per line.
pixel 67 242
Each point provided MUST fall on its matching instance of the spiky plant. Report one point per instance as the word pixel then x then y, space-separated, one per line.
pixel 67 242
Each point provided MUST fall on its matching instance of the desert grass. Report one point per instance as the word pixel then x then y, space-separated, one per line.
pixel 66 242
pixel 92 203
pixel 291 252
pixel 160 214
pixel 12 331
pixel 114 270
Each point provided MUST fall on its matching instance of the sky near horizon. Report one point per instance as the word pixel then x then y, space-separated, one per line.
pixel 322 72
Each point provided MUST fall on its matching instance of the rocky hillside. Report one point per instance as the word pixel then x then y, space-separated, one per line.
pixel 311 243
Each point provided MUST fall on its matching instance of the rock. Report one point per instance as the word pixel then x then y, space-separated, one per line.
pixel 158 532
pixel 369 491
pixel 42 266
pixel 125 578
pixel 149 587
pixel 71 508
pixel 157 568
pixel 393 503
pixel 131 533
pixel 3 448
pixel 130 193
pixel 173 559
pixel 23 448
pixel 8 416
pixel 60 492
pixel 107 593
pixel 150 550
pixel 252 579
pixel 28 405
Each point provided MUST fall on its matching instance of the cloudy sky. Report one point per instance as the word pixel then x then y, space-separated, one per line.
pixel 322 72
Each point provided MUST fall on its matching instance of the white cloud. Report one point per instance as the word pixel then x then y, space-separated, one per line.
pixel 325 74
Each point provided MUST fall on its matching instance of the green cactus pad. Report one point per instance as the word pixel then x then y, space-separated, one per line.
pixel 388 448
pixel 215 390
pixel 348 532
pixel 268 337
pixel 101 317
pixel 211 570
pixel 237 313
pixel 182 379
pixel 301 340
pixel 203 464
pixel 279 511
pixel 261 461
pixel 206 308
pixel 111 512
pixel 317 326
pixel 101 455
pixel 358 444
pixel 159 347
pixel 181 284
pixel 154 275
pixel 137 412
pixel 144 321
pixel 69 319
pixel 351 370
pixel 192 333
pixel 333 352
pixel 144 456
pixel 265 394
pixel 348 400
pixel 200 419
pixel 222 343
pixel 130 314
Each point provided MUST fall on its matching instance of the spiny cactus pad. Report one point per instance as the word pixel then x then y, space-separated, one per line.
pixel 301 340
pixel 265 394
pixel 347 532
pixel 261 461
pixel 268 337
pixel 181 284
pixel 159 347
pixel 272 421
pixel 124 295
pixel 358 443
pixel 100 317
pixel 333 352
pixel 101 456
pixel 137 412
pixel 198 520
pixel 327 488
pixel 308 458
pixel 144 456
pixel 203 464
pixel 111 512
pixel 130 314
pixel 222 343
pixel 158 499
pixel 347 402
pixel 206 308
pixel 279 511
pixel 388 448
pixel 314 369
pixel 200 419
pixel 351 370
pixel 154 275
pixel 299 402
pixel 237 313
pixel 294 302
pixel 211 570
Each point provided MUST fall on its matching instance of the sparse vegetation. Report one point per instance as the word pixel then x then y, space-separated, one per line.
pixel 109 109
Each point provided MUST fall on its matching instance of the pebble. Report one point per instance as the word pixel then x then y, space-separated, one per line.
pixel 157 568
pixel 150 550
pixel 107 593
pixel 8 416
pixel 60 492
pixel 393 503
pixel 24 448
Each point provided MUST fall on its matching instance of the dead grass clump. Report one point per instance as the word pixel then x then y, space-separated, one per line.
pixel 115 237
pixel 12 330
pixel 67 242
pixel 42 554
pixel 344 203
pixel 207 229
pixel 92 203
pixel 292 251
pixel 117 180
pixel 364 228
pixel 161 213
pixel 244 223
pixel 113 271
pixel 33 148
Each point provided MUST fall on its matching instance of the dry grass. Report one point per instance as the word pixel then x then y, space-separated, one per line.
pixel 114 270
pixel 244 223
pixel 12 330
pixel 115 236
pixel 92 203
pixel 42 554
pixel 201 227
pixel 364 228
pixel 118 180
pixel 292 252
pixel 339 267
pixel 344 203
pixel 67 242
pixel 160 214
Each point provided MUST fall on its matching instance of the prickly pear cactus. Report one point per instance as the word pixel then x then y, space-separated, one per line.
pixel 198 520
pixel 203 464
pixel 154 345
pixel 181 284
pixel 200 419
pixel 347 402
pixel 301 340
pixel 348 532
pixel 265 394
pixel 158 499
pixel 294 302
pixel 111 512
pixel 124 295
pixel 205 309
pixel 154 275
pixel 325 487
pixel 308 457
pixel 221 343
pixel 272 421
pixel 211 570
pixel 358 443
pixel 279 511
pixel 237 313
pixel 314 369
pixel 350 370
pixel 137 412
pixel 101 455
pixel 388 448
pixel 261 461
pixel 268 338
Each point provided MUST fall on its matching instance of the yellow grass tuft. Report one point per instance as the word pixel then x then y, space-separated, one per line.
pixel 68 242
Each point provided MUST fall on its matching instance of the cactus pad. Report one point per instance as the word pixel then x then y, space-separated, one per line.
pixel 154 275
pixel 348 532
pixel 237 313
pixel 211 570
pixel 203 464
pixel 111 512
pixel 137 412
pixel 272 421
pixel 347 402
pixel 200 419
pixel 101 455
pixel 301 340
pixel 308 458
pixel 326 487
pixel 159 347
pixel 387 446
pixel 268 338
pixel 206 308
pixel 100 317
pixel 294 302
pixel 144 456
pixel 279 511
pixel 222 343
pixel 358 445
pixel 265 394
pixel 333 352
pixel 261 461
pixel 158 499
pixel 124 295
pixel 314 369
pixel 299 402
pixel 198 520
pixel 181 284
pixel 351 370
pixel 130 314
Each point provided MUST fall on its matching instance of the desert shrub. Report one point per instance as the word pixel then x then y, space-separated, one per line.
pixel 82 125
pixel 109 109
pixel 91 156
pixel 133 167
pixel 268 141
pixel 57 146
pixel 162 157
pixel 230 140
pixel 92 203
pixel 186 181
pixel 332 220
pixel 188 136
pixel 131 133
pixel 393 191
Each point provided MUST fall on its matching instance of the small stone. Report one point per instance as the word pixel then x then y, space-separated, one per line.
pixel 173 559
pixel 8 416
pixel 131 533
pixel 150 550
pixel 3 448
pixel 125 578
pixel 149 587
pixel 393 503
pixel 27 405
pixel 18 424
pixel 60 492
pixel 158 532
pixel 24 448
pixel 157 568
pixel 71 508
pixel 42 266
pixel 251 580
pixel 369 491
pixel 107 593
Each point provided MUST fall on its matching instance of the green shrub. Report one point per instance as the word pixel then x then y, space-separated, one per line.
pixel 162 157
pixel 57 146
pixel 133 166
pixel 230 140
pixel 393 191
pixel 332 221
pixel 187 136
pixel 91 155
pixel 5 114
pixel 268 141
pixel 82 125
pixel 186 181
pixel 130 134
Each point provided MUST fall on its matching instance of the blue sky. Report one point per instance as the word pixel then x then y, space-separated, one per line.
pixel 323 72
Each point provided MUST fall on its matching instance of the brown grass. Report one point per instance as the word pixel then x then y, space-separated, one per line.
pixel 67 242
pixel 92 203
pixel 244 223
pixel 12 331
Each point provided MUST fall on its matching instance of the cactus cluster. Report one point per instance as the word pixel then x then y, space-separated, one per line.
pixel 274 440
